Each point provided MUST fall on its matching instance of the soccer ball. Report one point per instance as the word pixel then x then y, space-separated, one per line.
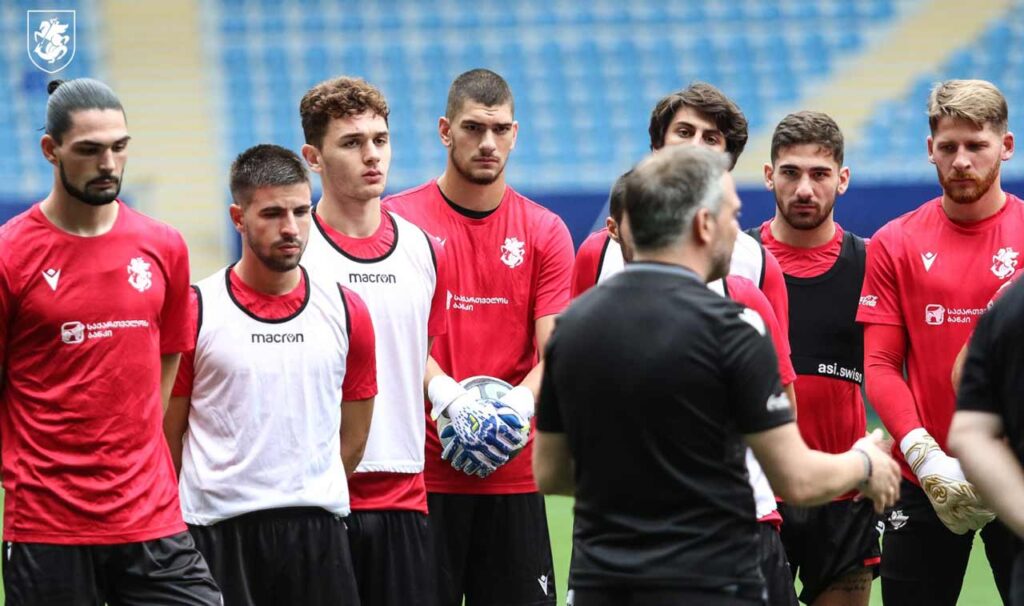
pixel 484 388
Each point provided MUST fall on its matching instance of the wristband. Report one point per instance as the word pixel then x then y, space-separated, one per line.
pixel 521 400
pixel 868 467
pixel 442 390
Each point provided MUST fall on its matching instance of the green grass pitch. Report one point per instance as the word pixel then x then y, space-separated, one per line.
pixel 978 589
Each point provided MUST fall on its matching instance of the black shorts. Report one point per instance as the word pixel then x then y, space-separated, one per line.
pixel 161 571
pixel 293 555
pixel 778 578
pixel 393 557
pixel 1017 584
pixel 827 542
pixel 655 597
pixel 494 549
pixel 925 562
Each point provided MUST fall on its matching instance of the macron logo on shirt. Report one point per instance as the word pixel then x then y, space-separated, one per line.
pixel 52 276
pixel 928 258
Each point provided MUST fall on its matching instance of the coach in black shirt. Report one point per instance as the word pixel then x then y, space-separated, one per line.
pixel 987 433
pixel 653 387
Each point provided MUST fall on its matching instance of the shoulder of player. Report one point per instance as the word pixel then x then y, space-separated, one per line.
pixel 595 242
pixel 408 196
pixel 137 221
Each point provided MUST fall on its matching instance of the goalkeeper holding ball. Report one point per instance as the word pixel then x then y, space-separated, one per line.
pixel 929 276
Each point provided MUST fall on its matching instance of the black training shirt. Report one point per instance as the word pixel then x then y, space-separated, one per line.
pixel 654 378
pixel 993 376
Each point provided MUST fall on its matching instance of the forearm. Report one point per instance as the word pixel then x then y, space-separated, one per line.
pixel 989 463
pixel 553 467
pixel 803 476
pixel 887 390
pixel 355 430
pixel 532 380
pixel 168 371
pixel 433 370
pixel 175 425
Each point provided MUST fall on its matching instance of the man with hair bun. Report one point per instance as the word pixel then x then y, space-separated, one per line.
pixel 94 307
pixel 400 272
pixel 272 404
pixel 930 274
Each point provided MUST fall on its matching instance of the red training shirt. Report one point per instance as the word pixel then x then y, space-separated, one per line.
pixel 85 321
pixel 506 271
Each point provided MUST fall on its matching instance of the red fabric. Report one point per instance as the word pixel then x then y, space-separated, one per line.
pixel 587 267
pixel 774 288
pixel 84 459
pixel 803 262
pixel 774 518
pixel 379 244
pixel 831 415
pixel 930 278
pixel 506 271
pixel 381 491
pixel 360 366
pixel 745 292
pixel 361 361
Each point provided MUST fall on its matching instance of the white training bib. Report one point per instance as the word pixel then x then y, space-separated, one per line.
pixel 264 426
pixel 398 289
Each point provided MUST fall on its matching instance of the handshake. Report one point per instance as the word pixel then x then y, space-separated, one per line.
pixel 482 422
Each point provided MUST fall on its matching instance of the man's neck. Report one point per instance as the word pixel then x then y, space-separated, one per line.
pixel 261 278
pixel 353 218
pixel 78 218
pixel 470 195
pixel 675 256
pixel 990 203
pixel 802 238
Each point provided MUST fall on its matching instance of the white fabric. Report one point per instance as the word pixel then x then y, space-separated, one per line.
pixel 399 305
pixel 747 262
pixel 764 498
pixel 264 425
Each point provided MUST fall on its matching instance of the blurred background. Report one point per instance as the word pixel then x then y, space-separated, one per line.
pixel 203 80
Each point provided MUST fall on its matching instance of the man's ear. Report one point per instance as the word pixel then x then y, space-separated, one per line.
pixel 236 213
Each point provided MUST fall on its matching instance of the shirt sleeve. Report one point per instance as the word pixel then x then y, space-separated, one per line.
pixel 983 368
pixel 185 378
pixel 588 263
pixel 745 292
pixel 549 416
pixel 555 272
pixel 755 397
pixel 879 297
pixel 361 363
pixel 6 305
pixel 175 336
pixel 885 348
pixel 774 288
pixel 437 322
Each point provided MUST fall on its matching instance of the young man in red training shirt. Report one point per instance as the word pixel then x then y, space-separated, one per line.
pixel 700 114
pixel 834 547
pixel 94 300
pixel 399 271
pixel 510 261
pixel 272 406
pixel 930 274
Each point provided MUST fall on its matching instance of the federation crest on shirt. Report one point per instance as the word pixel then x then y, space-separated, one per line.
pixel 1004 262
pixel 513 252
pixel 50 38
pixel 139 275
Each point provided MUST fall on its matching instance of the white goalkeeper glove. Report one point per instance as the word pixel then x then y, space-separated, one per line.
pixel 954 499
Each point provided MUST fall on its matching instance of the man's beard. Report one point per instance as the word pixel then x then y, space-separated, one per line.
pixel 273 263
pixel 796 221
pixel 83 195
pixel 972 194
pixel 719 266
pixel 468 175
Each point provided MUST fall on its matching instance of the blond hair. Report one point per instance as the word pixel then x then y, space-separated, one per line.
pixel 976 101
